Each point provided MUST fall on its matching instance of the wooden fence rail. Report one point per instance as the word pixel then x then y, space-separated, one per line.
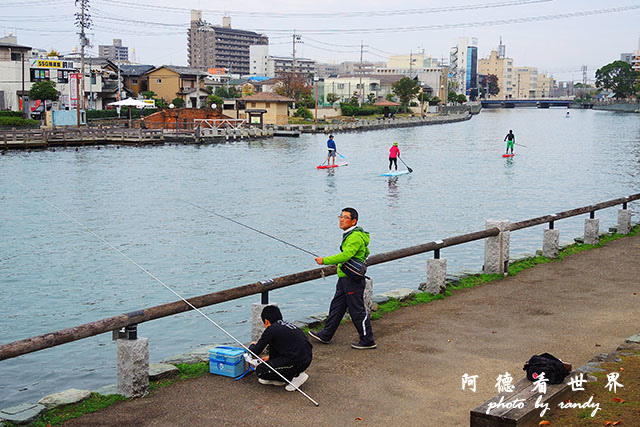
pixel 86 330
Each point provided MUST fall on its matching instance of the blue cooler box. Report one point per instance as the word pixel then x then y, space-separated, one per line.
pixel 227 361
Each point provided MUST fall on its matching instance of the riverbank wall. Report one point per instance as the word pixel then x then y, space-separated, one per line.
pixel 627 107
pixel 75 137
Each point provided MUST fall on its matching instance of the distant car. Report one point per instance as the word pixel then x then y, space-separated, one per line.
pixel 38 112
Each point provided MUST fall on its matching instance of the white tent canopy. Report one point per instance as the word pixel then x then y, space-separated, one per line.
pixel 130 102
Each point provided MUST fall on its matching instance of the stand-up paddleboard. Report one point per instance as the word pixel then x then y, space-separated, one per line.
pixel 331 166
pixel 394 173
pixel 508 155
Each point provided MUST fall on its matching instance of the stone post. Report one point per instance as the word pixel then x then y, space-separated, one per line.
pixel 257 325
pixel 496 248
pixel 436 276
pixel 624 221
pixel 133 367
pixel 368 295
pixel 550 243
pixel 592 231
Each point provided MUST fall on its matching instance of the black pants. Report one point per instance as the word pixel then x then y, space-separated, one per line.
pixel 285 367
pixel 349 294
pixel 393 160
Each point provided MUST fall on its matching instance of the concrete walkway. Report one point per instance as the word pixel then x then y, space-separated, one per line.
pixel 575 309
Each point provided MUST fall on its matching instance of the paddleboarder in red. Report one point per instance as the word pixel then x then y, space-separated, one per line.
pixel 394 153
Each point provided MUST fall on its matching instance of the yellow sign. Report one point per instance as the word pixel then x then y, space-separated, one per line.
pixel 47 63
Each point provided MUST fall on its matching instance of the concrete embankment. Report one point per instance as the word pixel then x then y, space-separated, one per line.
pixel 366 125
pixel 622 107
pixel 76 137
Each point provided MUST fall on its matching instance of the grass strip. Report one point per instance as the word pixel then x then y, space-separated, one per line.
pixel 95 402
pixel 480 279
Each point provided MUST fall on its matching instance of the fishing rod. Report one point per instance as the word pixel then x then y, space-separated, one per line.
pixel 249 227
pixel 108 244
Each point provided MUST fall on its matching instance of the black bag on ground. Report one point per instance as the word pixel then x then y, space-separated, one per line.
pixel 354 268
pixel 553 368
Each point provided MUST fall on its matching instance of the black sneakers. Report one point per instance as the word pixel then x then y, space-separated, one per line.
pixel 317 337
pixel 359 346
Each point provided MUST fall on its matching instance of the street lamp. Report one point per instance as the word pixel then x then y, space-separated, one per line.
pixel 315 81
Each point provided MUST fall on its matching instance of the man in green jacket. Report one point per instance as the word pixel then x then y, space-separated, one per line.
pixel 349 291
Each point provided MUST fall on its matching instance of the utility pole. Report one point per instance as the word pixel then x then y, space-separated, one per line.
pixel 361 91
pixel 83 21
pixel 197 88
pixel 23 106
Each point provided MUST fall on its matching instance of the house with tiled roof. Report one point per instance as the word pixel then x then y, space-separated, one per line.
pixel 265 108
pixel 133 77
pixel 173 81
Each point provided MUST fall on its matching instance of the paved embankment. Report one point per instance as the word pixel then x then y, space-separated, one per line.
pixel 622 107
pixel 575 308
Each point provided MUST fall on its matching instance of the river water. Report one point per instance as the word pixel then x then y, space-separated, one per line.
pixel 54 274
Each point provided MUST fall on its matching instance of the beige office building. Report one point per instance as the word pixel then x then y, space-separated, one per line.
pixel 502 68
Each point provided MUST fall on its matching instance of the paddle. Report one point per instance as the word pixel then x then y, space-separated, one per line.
pixel 408 168
pixel 521 145
pixel 340 155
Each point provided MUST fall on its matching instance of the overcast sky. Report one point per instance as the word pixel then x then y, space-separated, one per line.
pixel 557 36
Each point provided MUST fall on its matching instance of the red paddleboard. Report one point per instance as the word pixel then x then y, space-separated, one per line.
pixel 331 166
pixel 508 155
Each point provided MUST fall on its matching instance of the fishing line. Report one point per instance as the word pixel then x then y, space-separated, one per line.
pixel 169 289
pixel 249 227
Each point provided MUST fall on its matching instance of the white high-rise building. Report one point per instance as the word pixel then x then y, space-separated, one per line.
pixel 463 65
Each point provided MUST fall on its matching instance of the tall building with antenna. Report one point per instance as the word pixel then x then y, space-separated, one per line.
pixel 213 46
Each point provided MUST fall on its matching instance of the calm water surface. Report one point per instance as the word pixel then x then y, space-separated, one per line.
pixel 54 274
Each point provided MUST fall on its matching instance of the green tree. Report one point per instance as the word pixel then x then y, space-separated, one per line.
pixel 452 96
pixel 178 102
pixel 372 98
pixel 148 94
pixel 406 89
pixel 44 91
pixel 303 112
pixel 435 101
pixel 332 98
pixel 618 77
pixel 222 92
pixel 492 84
pixel 215 99
pixel 354 99
pixel 461 99
pixel 390 97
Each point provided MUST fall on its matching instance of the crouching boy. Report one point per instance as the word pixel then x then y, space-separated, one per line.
pixel 289 350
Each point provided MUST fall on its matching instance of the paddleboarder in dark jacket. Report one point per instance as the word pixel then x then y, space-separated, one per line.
pixel 511 139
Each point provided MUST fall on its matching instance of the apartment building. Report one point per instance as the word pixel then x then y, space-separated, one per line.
pixel 463 65
pixel 412 61
pixel 345 86
pixel 212 46
pixel 115 53
pixel 501 67
pixel 263 64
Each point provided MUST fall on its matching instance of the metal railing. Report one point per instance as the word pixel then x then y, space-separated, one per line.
pixel 40 342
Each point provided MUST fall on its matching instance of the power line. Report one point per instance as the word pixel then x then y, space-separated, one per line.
pixel 333 15
pixel 462 25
